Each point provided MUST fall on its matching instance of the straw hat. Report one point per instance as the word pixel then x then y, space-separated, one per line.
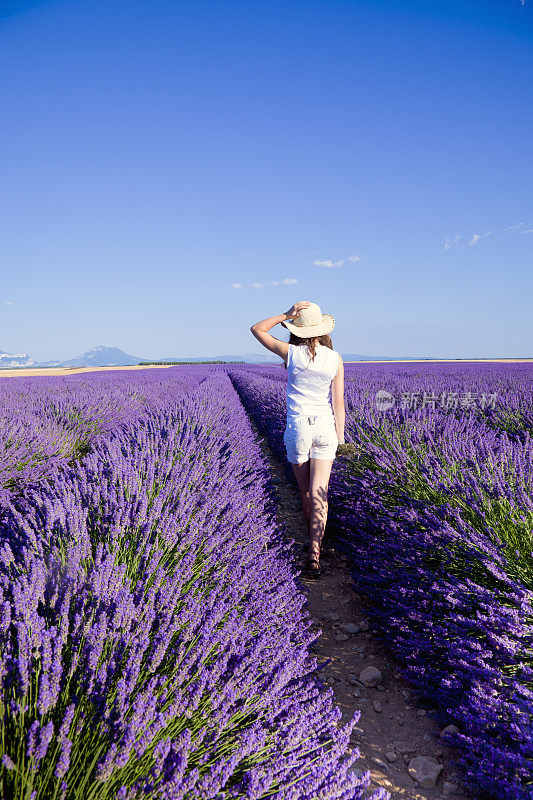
pixel 310 322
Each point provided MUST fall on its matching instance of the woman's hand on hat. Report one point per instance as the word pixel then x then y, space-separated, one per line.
pixel 296 308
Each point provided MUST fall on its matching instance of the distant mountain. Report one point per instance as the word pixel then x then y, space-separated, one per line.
pixel 14 360
pixel 102 356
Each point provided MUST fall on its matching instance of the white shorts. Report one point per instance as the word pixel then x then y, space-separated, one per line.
pixel 310 437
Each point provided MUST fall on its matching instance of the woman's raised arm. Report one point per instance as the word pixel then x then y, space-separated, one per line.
pixel 260 330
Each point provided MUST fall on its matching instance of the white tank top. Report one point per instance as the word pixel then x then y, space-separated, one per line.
pixel 309 381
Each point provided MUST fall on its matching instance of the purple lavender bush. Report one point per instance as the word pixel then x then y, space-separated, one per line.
pixel 49 420
pixel 154 640
pixel 435 512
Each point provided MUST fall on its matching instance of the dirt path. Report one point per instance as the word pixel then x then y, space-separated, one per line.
pixel 393 729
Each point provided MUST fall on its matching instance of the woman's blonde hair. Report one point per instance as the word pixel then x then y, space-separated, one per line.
pixel 311 342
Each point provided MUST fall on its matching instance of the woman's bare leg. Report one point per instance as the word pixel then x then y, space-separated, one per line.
pixel 319 474
pixel 301 472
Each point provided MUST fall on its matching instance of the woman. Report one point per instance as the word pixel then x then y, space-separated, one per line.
pixel 314 429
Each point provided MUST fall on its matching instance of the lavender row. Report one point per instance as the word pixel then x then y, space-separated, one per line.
pixel 154 640
pixel 47 421
pixel 435 513
pixel 496 392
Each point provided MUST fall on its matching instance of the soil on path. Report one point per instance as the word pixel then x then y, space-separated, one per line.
pixel 393 728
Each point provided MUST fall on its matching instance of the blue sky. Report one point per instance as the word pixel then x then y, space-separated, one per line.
pixel 373 157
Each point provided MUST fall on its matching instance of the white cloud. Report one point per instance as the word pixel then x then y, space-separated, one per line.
pixel 477 236
pixel 326 262
pixel 520 227
pixel 449 243
pixel 510 230
pixel 260 285
pixel 9 303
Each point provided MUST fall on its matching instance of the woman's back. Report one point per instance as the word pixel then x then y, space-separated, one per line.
pixel 309 382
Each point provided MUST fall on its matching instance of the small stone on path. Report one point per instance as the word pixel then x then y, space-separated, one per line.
pixel 425 770
pixel 349 627
pixel 377 706
pixel 370 676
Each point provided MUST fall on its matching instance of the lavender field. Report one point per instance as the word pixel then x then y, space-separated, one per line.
pixel 155 638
